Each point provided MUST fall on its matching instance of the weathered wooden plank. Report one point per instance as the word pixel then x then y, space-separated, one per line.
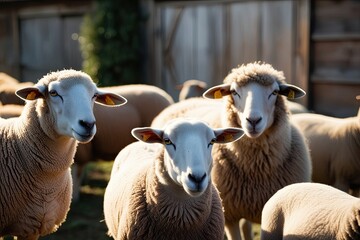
pixel 333 16
pixel 336 100
pixel 278 35
pixel 244 34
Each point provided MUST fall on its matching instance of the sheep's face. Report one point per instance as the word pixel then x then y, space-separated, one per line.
pixel 188 155
pixel 188 146
pixel 255 104
pixel 71 106
pixel 70 102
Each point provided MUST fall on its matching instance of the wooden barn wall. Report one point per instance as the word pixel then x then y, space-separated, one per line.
pixel 41 38
pixel 204 40
pixel 335 57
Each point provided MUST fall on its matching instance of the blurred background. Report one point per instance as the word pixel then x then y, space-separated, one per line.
pixel 164 43
pixel 316 43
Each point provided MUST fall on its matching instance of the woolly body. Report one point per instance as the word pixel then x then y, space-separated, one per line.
pixel 37 149
pixel 311 211
pixel 144 200
pixel 334 147
pixel 255 167
pixel 115 124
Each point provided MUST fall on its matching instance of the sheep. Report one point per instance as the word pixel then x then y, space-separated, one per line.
pixel 191 88
pixel 311 211
pixel 271 155
pixel 334 148
pixel 37 149
pixel 164 191
pixel 7 79
pixel 7 92
pixel 196 88
pixel 144 102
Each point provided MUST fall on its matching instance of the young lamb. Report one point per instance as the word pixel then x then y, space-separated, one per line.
pixel 273 153
pixel 334 147
pixel 37 149
pixel 144 102
pixel 164 191
pixel 311 211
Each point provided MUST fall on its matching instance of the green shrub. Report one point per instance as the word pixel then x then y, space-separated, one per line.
pixel 110 42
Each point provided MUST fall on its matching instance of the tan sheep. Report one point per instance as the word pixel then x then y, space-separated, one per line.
pixel 273 153
pixel 7 92
pixel 164 190
pixel 7 79
pixel 311 211
pixel 334 147
pixel 191 88
pixel 10 110
pixel 114 125
pixel 37 149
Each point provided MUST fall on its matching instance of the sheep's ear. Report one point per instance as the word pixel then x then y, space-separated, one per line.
pixel 217 92
pixel 226 135
pixel 291 91
pixel 110 99
pixel 29 93
pixel 148 135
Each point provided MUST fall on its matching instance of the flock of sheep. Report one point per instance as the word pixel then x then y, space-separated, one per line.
pixel 207 166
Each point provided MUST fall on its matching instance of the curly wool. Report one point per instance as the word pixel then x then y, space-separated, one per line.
pixel 279 155
pixel 261 73
pixel 38 187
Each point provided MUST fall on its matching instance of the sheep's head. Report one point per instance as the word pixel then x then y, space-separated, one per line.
pixel 253 91
pixel 69 96
pixel 188 145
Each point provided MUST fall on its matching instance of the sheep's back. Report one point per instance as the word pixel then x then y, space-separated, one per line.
pixel 334 146
pixel 147 99
pixel 126 187
pixel 199 108
pixel 309 210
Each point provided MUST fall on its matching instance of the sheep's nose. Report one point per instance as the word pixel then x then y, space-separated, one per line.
pixel 254 121
pixel 196 179
pixel 87 125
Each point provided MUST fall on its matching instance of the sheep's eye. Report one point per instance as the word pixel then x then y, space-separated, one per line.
pixel 274 93
pixel 167 141
pixel 53 93
pixel 234 93
pixel 212 142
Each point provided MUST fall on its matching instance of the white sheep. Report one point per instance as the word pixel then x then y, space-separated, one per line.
pixel 311 211
pixel 334 147
pixel 164 191
pixel 144 102
pixel 273 153
pixel 37 149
